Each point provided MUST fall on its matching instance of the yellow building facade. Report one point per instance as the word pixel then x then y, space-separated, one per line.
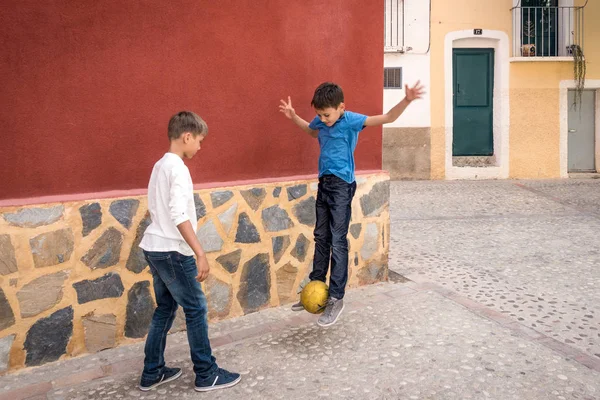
pixel 501 89
pixel 530 93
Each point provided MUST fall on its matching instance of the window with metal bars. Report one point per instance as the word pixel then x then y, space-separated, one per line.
pixel 394 25
pixel 392 78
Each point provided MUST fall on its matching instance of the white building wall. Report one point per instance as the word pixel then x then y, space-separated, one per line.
pixel 415 63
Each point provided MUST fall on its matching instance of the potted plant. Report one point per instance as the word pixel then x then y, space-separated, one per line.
pixel 579 70
pixel 528 49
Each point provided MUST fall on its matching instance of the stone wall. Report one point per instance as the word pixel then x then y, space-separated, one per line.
pixel 407 153
pixel 73 279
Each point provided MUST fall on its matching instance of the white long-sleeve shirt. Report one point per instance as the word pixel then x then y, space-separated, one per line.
pixel 170 202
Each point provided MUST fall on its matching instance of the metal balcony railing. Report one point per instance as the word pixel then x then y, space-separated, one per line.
pixel 546 31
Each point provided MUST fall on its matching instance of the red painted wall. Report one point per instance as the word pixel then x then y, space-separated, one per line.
pixel 89 86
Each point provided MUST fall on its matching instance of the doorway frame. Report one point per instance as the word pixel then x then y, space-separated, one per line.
pixel 499 41
pixel 565 85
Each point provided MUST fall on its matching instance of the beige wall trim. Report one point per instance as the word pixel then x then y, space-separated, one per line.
pixel 501 44
pixel 564 122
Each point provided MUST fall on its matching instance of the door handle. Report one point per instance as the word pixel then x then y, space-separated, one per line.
pixel 572 130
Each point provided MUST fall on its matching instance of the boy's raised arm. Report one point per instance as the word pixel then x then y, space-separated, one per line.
pixel 289 112
pixel 413 93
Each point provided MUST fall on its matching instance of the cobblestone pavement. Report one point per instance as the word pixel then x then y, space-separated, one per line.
pixel 502 303
pixel 529 250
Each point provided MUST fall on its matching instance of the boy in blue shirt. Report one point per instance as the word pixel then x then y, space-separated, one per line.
pixel 337 130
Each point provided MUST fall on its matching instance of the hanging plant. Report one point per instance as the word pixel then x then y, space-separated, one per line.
pixel 579 69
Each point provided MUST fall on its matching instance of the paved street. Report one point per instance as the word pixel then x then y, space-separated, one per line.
pixel 529 250
pixel 494 294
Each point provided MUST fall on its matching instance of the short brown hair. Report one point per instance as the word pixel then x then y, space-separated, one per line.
pixel 328 94
pixel 186 121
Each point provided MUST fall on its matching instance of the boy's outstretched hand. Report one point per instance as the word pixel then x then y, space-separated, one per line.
pixel 287 108
pixel 415 92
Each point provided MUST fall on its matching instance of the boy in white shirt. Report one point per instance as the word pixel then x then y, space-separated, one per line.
pixel 169 245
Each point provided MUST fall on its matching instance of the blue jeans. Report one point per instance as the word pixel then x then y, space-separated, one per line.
pixel 175 283
pixel 334 209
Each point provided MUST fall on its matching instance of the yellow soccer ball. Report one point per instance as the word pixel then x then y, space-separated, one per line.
pixel 314 297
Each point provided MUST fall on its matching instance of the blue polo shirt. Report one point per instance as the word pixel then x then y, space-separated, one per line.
pixel 337 144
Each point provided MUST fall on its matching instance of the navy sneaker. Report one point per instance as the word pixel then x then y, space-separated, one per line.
pixel 221 379
pixel 168 375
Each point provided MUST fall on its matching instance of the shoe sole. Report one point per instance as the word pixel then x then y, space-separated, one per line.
pixel 297 309
pixel 224 386
pixel 145 389
pixel 334 321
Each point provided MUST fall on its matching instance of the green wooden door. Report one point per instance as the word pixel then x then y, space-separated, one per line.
pixel 473 132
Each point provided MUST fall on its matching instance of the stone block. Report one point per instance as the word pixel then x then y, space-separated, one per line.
pixel 91 217
pixel 355 230
pixel 276 219
pixel 255 284
pixel 299 251
pixel 280 245
pixel 140 308
pixel 124 211
pixel 136 261
pixel 305 211
pixel 48 337
pixel 371 241
pixel 34 217
pixel 254 197
pixel 200 207
pixel 297 191
pixel 209 237
pixel 226 218
pixel 7 317
pixel 52 248
pixel 106 251
pixel 230 261
pixel 246 232
pixel 375 201
pixel 219 296
pixel 41 294
pixel 286 276
pixel 277 191
pixel 100 332
pixel 107 286
pixel 5 346
pixel 8 262
pixel 220 198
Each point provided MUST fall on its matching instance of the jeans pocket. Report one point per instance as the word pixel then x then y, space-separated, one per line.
pixel 162 263
pixel 188 265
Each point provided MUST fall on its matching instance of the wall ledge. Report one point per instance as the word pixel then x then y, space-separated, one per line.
pixel 62 198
